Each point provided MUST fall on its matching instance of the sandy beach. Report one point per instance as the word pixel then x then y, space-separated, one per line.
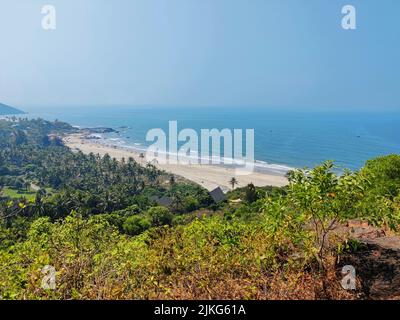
pixel 208 176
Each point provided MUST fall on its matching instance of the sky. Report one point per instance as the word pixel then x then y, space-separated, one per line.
pixel 239 53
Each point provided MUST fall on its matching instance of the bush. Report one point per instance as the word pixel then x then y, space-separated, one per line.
pixel 384 175
pixel 191 204
pixel 160 216
pixel 135 225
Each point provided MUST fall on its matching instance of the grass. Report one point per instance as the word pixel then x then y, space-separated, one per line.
pixel 16 194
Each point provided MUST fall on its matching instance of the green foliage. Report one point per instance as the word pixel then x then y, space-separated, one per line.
pixel 93 260
pixel 160 216
pixel 262 192
pixel 384 175
pixel 32 153
pixel 16 194
pixel 107 240
pixel 188 197
pixel 251 193
pixel 316 202
pixel 135 225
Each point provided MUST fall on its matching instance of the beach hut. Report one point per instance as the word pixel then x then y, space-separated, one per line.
pixel 218 195
pixel 163 201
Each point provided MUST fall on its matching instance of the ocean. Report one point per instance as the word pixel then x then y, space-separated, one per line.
pixel 283 139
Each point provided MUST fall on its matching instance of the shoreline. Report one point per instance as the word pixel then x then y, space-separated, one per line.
pixel 208 176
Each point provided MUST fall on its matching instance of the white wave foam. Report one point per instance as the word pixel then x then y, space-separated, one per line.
pixel 194 157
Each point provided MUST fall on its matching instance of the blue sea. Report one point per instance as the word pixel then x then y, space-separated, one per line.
pixel 283 139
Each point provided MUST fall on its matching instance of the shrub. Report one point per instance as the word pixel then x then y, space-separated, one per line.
pixel 384 175
pixel 160 216
pixel 135 225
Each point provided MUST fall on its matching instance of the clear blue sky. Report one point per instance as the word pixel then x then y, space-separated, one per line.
pixel 270 53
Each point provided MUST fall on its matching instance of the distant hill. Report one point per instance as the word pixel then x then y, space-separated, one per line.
pixel 4 109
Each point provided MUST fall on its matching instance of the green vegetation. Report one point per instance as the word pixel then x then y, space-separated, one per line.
pixel 95 220
pixel 16 194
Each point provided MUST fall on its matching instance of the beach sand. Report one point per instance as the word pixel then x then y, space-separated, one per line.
pixel 208 176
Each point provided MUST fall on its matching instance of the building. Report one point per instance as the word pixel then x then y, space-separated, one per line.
pixel 218 195
pixel 163 201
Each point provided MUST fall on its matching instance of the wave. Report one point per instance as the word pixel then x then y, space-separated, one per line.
pixel 194 157
pixel 279 168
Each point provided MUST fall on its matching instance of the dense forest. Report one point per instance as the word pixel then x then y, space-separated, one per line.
pixel 96 221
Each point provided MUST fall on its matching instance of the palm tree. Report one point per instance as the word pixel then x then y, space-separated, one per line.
pixel 233 182
pixel 39 207
pixel 177 202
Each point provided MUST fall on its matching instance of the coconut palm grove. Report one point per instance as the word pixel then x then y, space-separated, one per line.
pixel 99 223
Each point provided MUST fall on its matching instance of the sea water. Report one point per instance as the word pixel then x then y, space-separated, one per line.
pixel 283 139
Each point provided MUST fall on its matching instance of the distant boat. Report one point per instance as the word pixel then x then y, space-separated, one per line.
pixel 7 110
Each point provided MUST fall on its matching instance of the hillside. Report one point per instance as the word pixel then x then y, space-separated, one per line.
pixel 6 110
pixel 100 224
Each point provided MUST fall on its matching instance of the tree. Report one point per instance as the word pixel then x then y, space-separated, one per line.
pixel 190 203
pixel 251 193
pixel 233 182
pixel 39 206
pixel 178 202
pixel 384 175
pixel 135 225
pixel 317 201
pixel 160 216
